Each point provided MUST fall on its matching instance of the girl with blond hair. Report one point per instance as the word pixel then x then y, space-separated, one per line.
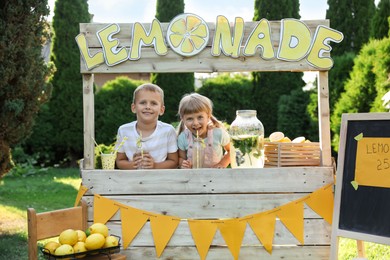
pixel 197 123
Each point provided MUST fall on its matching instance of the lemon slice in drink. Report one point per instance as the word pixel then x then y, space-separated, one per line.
pixel 276 137
pixel 187 34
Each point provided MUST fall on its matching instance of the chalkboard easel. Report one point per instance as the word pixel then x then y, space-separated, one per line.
pixel 362 209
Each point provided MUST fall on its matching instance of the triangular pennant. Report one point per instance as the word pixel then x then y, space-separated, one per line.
pixel 203 232
pixel 321 201
pixel 132 222
pixel 291 216
pixel 232 231
pixel 163 228
pixel 263 225
pixel 80 193
pixel 103 209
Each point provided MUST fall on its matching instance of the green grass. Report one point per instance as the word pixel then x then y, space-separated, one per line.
pixel 44 191
pixel 57 189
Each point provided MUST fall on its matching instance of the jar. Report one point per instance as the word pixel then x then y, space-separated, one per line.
pixel 247 140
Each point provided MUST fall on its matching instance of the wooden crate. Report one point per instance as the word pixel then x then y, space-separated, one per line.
pixel 292 154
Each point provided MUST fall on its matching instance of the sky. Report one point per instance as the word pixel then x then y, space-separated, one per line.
pixel 129 11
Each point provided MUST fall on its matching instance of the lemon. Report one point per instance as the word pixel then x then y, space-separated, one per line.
pixel 95 241
pixel 51 246
pixel 276 137
pixel 64 249
pixel 285 140
pixel 111 241
pixel 99 228
pixel 81 235
pixel 187 34
pixel 68 237
pixel 299 139
pixel 79 247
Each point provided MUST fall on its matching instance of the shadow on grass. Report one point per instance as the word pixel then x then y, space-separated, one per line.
pixel 13 246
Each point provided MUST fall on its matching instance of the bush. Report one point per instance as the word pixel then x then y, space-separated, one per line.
pixel 228 95
pixel 113 108
pixel 24 164
pixel 40 144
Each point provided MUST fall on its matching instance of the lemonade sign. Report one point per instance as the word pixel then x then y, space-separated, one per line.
pixel 188 35
pixel 373 162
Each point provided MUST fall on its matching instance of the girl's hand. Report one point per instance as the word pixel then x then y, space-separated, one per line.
pixel 186 164
pixel 219 166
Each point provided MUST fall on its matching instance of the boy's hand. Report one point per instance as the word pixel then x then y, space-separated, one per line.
pixel 147 161
pixel 137 159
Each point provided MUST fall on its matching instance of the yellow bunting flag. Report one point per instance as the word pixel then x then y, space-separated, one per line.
pixel 81 192
pixel 163 228
pixel 132 222
pixel 104 209
pixel 263 225
pixel 321 201
pixel 232 231
pixel 203 232
pixel 291 216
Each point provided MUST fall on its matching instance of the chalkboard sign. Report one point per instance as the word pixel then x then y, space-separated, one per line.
pixel 362 196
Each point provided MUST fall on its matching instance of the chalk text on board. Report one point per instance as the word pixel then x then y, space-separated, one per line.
pixel 377 148
pixel 383 164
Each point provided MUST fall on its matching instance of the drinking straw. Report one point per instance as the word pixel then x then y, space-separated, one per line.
pixel 197 149
pixel 121 143
pixel 100 150
pixel 142 150
pixel 139 145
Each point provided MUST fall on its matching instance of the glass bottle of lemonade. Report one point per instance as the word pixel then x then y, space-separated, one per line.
pixel 247 140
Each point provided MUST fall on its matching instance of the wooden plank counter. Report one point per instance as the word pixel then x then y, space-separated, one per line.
pixel 214 194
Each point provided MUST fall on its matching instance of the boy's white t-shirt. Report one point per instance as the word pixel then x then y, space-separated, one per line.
pixel 161 142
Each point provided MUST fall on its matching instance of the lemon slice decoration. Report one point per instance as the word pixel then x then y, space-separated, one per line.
pixel 187 34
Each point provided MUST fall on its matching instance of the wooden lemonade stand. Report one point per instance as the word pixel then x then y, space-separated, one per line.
pixel 227 199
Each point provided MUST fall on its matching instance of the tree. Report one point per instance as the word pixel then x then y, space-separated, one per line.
pixel 379 23
pixel 352 18
pixel 367 84
pixel 23 73
pixel 293 118
pixel 66 105
pixel 269 86
pixel 175 85
pixel 338 75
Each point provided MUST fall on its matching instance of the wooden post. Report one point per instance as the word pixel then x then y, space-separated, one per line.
pixel 32 234
pixel 89 121
pixel 324 118
pixel 334 249
pixel 361 249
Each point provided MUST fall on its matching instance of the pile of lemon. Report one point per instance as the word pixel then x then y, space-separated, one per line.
pixel 77 241
pixel 281 138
